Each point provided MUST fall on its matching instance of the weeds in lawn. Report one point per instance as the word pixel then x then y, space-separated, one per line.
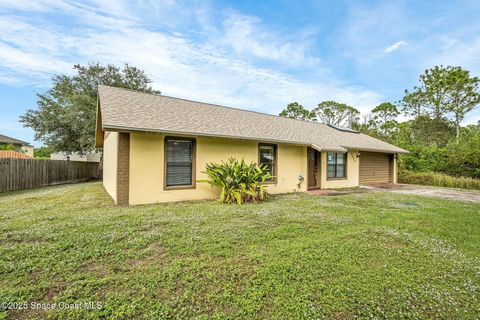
pixel 438 179
pixel 368 255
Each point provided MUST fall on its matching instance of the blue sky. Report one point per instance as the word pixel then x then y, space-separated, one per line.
pixel 257 55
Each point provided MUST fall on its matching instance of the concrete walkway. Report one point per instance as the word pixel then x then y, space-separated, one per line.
pixel 445 193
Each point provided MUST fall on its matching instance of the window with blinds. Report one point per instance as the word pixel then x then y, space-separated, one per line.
pixel 267 157
pixel 179 162
pixel 336 164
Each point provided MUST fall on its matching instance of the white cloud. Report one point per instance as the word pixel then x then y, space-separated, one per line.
pixel 368 26
pixel 456 52
pixel 33 64
pixel 203 70
pixel 395 46
pixel 247 36
pixel 33 6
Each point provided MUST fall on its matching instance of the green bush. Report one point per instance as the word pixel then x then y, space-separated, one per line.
pixel 7 147
pixel 464 155
pixel 238 181
pixel 424 159
pixel 457 158
pixel 42 153
pixel 438 179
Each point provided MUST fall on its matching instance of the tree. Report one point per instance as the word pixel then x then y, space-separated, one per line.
pixel 464 95
pixel 66 114
pixel 428 131
pixel 464 154
pixel 295 110
pixel 443 91
pixel 42 153
pixel 384 118
pixel 412 103
pixel 335 113
pixel 434 90
pixel 365 124
pixel 434 136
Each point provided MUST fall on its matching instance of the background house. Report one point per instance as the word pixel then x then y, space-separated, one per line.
pixel 18 145
pixel 75 156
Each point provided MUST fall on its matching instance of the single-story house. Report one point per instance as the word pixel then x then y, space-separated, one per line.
pixel 155 148
pixel 18 145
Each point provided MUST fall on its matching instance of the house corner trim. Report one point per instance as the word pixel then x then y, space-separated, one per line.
pixel 123 170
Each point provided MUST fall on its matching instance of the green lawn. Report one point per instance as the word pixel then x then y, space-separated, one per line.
pixel 367 255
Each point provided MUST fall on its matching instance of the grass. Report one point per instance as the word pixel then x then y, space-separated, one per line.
pixel 438 179
pixel 365 255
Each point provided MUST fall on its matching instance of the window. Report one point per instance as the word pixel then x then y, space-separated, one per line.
pixel 179 162
pixel 336 164
pixel 267 154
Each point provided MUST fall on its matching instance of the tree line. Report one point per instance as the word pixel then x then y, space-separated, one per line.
pixel 64 119
pixel 433 133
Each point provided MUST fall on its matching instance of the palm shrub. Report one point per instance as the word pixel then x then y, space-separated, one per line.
pixel 239 182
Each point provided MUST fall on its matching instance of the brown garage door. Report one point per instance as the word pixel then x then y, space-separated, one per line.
pixel 374 167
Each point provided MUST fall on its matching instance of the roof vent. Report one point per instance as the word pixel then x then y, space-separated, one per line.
pixel 344 129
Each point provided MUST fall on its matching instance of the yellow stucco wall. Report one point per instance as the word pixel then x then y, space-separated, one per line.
pixel 110 151
pixel 147 167
pixel 352 178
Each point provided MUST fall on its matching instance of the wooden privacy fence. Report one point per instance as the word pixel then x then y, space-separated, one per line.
pixel 17 174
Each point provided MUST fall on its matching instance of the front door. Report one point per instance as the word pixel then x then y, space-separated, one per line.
pixel 312 156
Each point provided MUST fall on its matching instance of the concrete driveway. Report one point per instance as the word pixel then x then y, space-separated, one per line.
pixel 445 193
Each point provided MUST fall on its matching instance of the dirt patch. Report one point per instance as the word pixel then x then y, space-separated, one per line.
pixel 52 292
pixel 26 314
pixel 95 268
pixel 155 255
pixel 342 315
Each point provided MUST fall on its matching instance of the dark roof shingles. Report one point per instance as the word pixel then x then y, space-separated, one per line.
pixel 10 140
pixel 128 109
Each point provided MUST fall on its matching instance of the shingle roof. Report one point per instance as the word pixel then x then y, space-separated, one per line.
pixel 10 140
pixel 123 109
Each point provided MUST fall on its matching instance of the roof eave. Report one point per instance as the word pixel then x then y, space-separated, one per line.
pixel 320 149
pixel 10 140
pixel 99 130
pixel 380 150
pixel 199 134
